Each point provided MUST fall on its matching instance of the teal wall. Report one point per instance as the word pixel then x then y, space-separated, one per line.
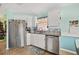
pixel 42 14
pixel 68 42
pixel 68 13
pixel 12 15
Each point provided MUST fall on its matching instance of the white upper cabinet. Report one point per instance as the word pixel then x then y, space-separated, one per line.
pixel 53 18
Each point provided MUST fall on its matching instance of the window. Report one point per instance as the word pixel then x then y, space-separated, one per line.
pixel 42 24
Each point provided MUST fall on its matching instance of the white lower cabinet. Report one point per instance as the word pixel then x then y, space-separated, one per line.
pixel 28 40
pixel 38 40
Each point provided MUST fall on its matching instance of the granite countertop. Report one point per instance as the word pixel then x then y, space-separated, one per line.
pixel 48 33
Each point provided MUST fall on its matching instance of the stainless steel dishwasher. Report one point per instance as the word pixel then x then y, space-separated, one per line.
pixel 52 44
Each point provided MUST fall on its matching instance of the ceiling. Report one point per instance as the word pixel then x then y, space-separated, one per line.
pixel 31 8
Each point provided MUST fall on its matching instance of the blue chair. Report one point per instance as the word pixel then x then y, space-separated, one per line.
pixel 77 46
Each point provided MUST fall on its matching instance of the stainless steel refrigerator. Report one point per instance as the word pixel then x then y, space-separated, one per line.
pixel 17 33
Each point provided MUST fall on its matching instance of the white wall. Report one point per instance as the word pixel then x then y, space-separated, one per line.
pixel 53 18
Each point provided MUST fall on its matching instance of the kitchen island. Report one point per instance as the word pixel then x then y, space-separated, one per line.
pixel 48 41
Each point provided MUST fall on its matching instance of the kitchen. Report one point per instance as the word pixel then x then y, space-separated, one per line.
pixel 41 28
pixel 34 32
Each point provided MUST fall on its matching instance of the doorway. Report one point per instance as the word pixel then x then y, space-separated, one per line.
pixel 2 36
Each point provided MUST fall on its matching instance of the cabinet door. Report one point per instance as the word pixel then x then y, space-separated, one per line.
pixel 28 40
pixel 34 39
pixel 38 40
pixel 41 41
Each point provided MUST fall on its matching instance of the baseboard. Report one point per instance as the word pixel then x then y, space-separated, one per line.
pixel 69 51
